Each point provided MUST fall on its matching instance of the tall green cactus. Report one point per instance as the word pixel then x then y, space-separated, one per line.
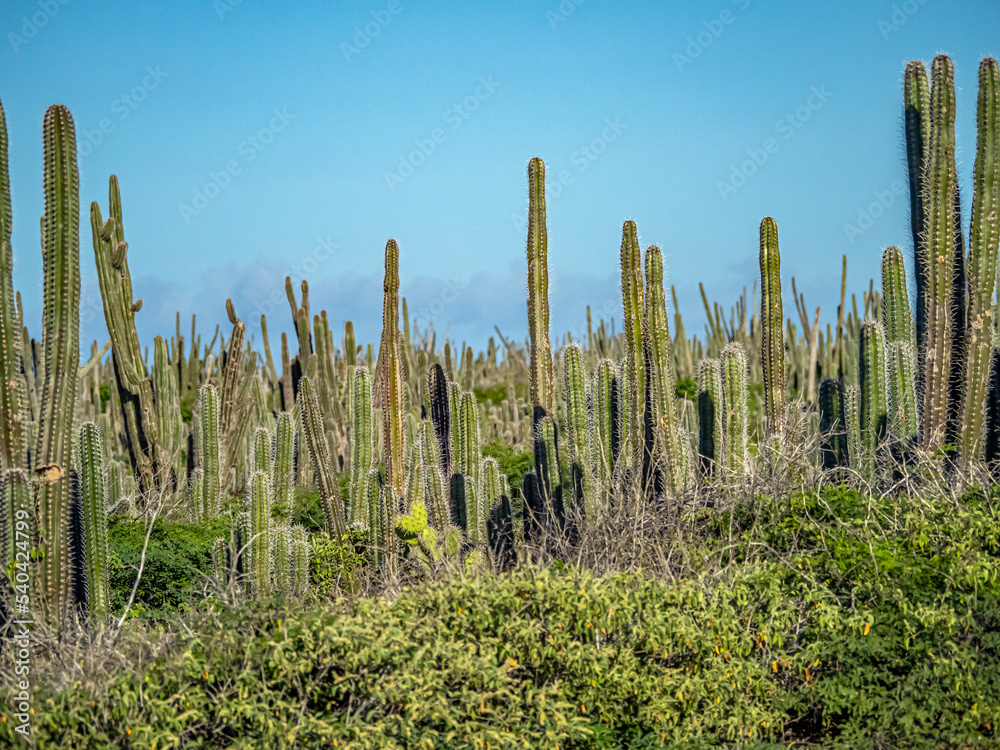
pixel 135 390
pixel 434 491
pixel 542 381
pixel 671 451
pixel 12 402
pixel 388 540
pixel 917 122
pixel 896 313
pixel 984 238
pixel 904 423
pixel 711 434
pixel 209 499
pixel 606 425
pixel 577 443
pixel 391 383
pixel 872 371
pixel 736 407
pixel 61 341
pixel 831 423
pixel 283 477
pixel 319 456
pixel 634 316
pixel 938 196
pixel 362 441
pixel 471 454
pixel 772 351
pixel 283 559
pixel 257 534
pixel 300 560
pixel 93 492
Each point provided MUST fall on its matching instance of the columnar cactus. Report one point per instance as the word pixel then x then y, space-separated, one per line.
pixel 319 456
pixel 135 390
pixel 470 454
pixel 209 500
pixel 606 425
pixel 13 414
pixel 736 407
pixel 441 415
pixel 711 416
pixel 671 453
pixel 391 383
pixel 904 423
pixel 575 400
pixel 772 351
pixel 872 372
pixel 283 562
pixel 362 441
pixel 388 541
pixel 434 491
pixel 257 533
pixel 938 194
pixel 61 341
pixel 917 121
pixel 634 316
pixel 984 238
pixel 300 560
pixel 896 314
pixel 542 384
pixel 831 423
pixel 852 421
pixel 94 496
pixel 283 477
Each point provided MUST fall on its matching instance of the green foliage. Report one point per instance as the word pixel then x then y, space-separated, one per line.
pixel 178 562
pixel 513 462
pixel 852 622
pixel 333 566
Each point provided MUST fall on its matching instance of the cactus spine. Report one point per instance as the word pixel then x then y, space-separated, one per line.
pixel 772 351
pixel 61 342
pixel 95 516
pixel 904 423
pixel 538 289
pixel 984 237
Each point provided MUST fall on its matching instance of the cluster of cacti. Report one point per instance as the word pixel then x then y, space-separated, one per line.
pixel 648 412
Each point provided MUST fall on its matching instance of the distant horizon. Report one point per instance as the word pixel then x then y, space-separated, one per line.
pixel 254 142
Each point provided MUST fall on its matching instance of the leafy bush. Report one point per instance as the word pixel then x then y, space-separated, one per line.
pixel 850 622
pixel 178 561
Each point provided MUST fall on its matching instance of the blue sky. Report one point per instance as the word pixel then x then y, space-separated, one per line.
pixel 256 140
